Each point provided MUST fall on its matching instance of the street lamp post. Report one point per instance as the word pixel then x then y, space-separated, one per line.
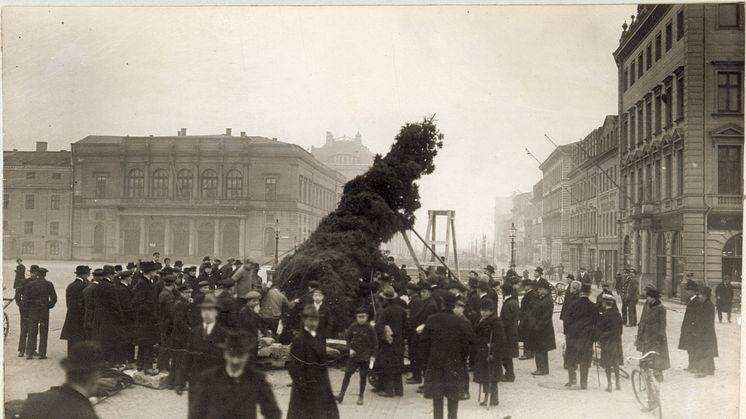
pixel 512 244
pixel 277 241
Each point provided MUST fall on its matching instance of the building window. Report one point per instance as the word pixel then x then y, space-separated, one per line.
pixel 29 202
pixel 730 15
pixel 6 201
pixel 640 186
pixel 658 105
pixel 209 184
pixel 680 25
pixel 625 79
pixel 30 175
pixel 233 184
pixel 657 184
pixel 648 118
pixel 729 91
pixel 54 248
pixel 680 98
pixel 649 56
pixel 669 103
pixel 729 170
pixel 54 228
pixel 632 127
pixel 680 173
pixel 632 73
pixel 658 51
pixel 270 189
pixel 98 239
pixel 28 227
pixel 184 184
pixel 639 65
pixel 100 186
pixel 56 176
pixel 668 170
pixel 99 215
pixel 27 248
pixel 669 36
pixel 625 124
pixel 135 183
pixel 54 202
pixel 159 184
pixel 640 124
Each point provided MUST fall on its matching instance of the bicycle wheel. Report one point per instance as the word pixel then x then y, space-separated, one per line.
pixel 640 387
pixel 6 325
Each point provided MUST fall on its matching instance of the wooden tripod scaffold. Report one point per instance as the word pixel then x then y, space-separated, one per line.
pixel 430 244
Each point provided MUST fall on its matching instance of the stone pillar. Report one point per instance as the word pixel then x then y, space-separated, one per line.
pixel 242 237
pixel 195 181
pixel 142 235
pixel 216 243
pixel 117 235
pixel 167 237
pixel 191 236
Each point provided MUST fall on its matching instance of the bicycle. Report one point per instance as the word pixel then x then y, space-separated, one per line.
pixel 644 384
pixel 6 323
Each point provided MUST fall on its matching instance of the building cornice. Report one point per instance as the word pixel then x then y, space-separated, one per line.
pixel 639 30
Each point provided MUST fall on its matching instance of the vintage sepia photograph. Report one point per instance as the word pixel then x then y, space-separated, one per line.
pixel 395 211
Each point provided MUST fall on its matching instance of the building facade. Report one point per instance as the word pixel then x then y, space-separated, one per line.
pixel 556 204
pixel 190 196
pixel 37 203
pixel 348 156
pixel 680 73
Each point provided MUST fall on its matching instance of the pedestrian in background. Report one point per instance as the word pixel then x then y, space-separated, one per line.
pixel 582 318
pixel 38 298
pixel 530 299
pixel 598 277
pixel 147 331
pixel 610 339
pixel 509 314
pixel 18 284
pixel 363 344
pixel 688 334
pixel 705 344
pixel 630 297
pixel 540 337
pixel 73 330
pixel 651 332
pixel 724 298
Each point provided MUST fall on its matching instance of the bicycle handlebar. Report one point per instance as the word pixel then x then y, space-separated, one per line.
pixel 642 357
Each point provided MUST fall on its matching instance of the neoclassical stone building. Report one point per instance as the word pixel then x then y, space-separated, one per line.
pixel 187 196
pixel 681 142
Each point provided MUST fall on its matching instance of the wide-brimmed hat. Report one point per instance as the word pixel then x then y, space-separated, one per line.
pixel 585 288
pixel 490 269
pixel 117 268
pixel 238 343
pixel 209 302
pixel 109 270
pixel 83 356
pixel 179 263
pixel 228 282
pixel 124 274
pixel 313 283
pixel 148 266
pixel 167 270
pixel 131 265
pixel 168 279
pixel 691 285
pixel 310 311
pixel 98 272
pixel 82 269
pixel 449 301
pixel 41 271
pixel 543 283
pixel 539 270
pixel 183 287
pixel 387 293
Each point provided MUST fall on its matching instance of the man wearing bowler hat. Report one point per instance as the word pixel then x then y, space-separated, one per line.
pixel 39 297
pixel 73 330
pixel 390 328
pixel 70 401
pixel 540 337
pixel 147 332
pixel 688 336
pixel 108 317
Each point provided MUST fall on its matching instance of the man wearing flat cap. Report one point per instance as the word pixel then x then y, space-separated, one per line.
pixel 651 332
pixel 147 331
pixel 249 321
pixel 228 315
pixel 73 330
pixel 70 401
pixel 235 389
pixel 108 317
pixel 311 394
pixel 688 337
pixel 38 298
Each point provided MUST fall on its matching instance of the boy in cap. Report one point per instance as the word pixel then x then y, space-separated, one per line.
pixel 363 344
pixel 70 401
pixel 233 390
pixel 490 345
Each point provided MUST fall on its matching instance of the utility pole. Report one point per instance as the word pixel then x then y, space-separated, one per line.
pixel 277 241
pixel 512 244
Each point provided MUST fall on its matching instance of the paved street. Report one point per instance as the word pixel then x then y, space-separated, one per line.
pixel 683 395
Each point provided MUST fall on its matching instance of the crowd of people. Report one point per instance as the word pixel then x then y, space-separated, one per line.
pixel 202 325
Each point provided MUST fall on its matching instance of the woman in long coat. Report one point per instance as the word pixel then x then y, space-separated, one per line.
pixel 445 343
pixel 509 314
pixel 651 331
pixel 705 344
pixel 610 327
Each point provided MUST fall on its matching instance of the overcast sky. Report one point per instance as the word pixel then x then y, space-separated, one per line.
pixel 497 78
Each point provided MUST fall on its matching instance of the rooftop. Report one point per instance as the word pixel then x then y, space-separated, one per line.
pixel 36 158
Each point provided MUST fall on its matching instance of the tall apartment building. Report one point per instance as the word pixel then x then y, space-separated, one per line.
pixel 592 239
pixel 680 73
pixel 556 204
pixel 187 196
pixel 37 203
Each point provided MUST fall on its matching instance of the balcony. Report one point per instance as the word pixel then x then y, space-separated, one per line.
pixel 727 201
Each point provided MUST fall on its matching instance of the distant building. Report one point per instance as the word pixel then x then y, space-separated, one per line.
pixel 191 196
pixel 37 203
pixel 522 220
pixel 680 70
pixel 556 204
pixel 346 155
pixel 501 240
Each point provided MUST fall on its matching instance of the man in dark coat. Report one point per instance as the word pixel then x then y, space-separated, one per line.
pixel 490 346
pixel 70 401
pixel 206 275
pixel 598 277
pixel 18 284
pixel 166 301
pixel 418 313
pixel 235 389
pixel 181 329
pixel 651 332
pixel 509 314
pixel 147 332
pixel 610 327
pixel 363 344
pixel 445 340
pixel 630 297
pixel 88 302
pixel 311 393
pixel 203 348
pixel 724 298
pixel 688 332
pixel 540 334
pixel 73 330
pixel 582 318
pixel 38 298
pixel 122 285
pixel 705 344
pixel 530 299
pixel 228 315
pixel 390 329
pixel 108 317
pixel 250 323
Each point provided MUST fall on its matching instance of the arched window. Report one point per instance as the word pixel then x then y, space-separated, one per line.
pixel 184 184
pixel 135 183
pixel 159 184
pixel 209 184
pixel 233 184
pixel 732 254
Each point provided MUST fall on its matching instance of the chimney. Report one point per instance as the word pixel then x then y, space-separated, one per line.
pixel 178 133
pixel 243 133
pixel 41 146
pixel 183 132
pixel 329 137
pixel 228 132
pixel 274 138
